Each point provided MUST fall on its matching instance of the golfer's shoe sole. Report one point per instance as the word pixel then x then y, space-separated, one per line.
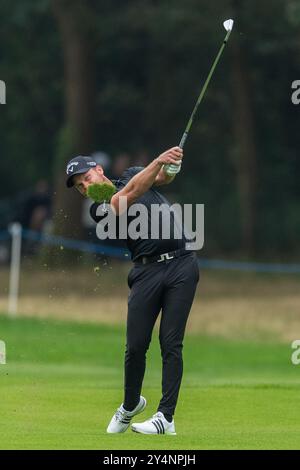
pixel 156 425
pixel 152 433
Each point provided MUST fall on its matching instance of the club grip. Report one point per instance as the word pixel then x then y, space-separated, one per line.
pixel 183 139
pixel 172 169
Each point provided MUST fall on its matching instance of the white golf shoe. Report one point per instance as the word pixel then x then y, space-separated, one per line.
pixel 155 425
pixel 121 419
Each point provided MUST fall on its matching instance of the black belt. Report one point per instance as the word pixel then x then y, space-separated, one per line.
pixel 163 257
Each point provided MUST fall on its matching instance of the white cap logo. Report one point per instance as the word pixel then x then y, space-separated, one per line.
pixel 70 167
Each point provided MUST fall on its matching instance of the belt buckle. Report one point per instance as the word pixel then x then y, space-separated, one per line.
pixel 164 257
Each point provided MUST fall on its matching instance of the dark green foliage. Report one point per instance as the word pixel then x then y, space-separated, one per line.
pixel 151 61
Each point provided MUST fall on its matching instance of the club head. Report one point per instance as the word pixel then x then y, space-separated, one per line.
pixel 228 25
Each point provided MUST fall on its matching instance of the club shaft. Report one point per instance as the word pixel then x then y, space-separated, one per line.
pixel 189 124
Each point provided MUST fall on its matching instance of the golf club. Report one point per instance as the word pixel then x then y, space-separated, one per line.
pixel 228 25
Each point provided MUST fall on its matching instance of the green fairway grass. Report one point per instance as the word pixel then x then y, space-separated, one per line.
pixel 63 381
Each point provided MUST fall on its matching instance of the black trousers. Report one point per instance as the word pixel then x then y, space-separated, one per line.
pixel 168 287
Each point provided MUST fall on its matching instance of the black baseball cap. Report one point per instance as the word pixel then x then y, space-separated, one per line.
pixel 78 165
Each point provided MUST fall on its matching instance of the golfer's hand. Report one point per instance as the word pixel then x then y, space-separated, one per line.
pixel 172 156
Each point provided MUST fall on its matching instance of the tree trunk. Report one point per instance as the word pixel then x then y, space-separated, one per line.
pixel 77 132
pixel 76 137
pixel 245 153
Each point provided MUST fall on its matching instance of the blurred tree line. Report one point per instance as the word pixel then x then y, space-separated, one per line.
pixel 124 75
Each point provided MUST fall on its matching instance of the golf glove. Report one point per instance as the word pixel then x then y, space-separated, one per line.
pixel 172 169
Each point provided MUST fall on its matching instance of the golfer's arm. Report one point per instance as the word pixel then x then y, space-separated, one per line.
pixel 138 185
pixel 163 178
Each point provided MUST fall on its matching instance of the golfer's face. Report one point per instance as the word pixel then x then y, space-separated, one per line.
pixel 83 181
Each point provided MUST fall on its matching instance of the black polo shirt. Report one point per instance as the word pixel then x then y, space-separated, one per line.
pixel 142 246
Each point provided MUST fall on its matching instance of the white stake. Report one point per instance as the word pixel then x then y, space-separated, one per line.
pixel 15 230
pixel 2 352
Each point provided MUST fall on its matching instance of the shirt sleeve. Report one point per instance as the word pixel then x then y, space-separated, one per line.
pixel 129 173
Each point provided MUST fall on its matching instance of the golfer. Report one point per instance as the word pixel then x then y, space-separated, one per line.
pixel 163 278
